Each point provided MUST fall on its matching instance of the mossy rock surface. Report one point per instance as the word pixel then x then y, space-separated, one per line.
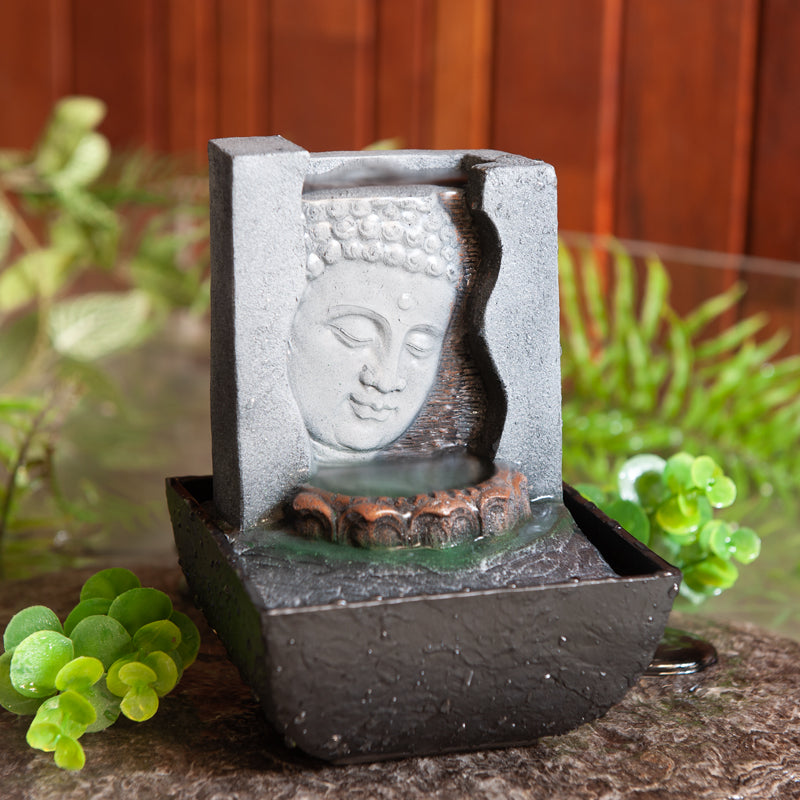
pixel 731 732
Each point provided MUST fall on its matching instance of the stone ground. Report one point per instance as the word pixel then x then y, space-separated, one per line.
pixel 732 732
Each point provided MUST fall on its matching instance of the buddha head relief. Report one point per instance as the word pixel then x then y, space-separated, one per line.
pixel 368 332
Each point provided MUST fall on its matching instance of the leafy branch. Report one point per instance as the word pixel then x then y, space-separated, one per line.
pixel 95 254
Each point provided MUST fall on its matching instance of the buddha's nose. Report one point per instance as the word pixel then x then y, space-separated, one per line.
pixel 385 377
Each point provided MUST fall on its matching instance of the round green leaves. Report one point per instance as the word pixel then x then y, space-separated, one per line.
pixel 120 649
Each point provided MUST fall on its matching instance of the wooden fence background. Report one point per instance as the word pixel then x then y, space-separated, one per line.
pixel 671 121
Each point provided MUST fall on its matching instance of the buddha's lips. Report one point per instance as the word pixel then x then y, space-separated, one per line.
pixel 365 409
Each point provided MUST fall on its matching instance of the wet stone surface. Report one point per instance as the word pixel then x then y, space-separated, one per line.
pixel 732 731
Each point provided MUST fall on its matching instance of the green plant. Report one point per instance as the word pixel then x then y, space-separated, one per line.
pixel 639 377
pixel 94 255
pixel 669 505
pixel 119 650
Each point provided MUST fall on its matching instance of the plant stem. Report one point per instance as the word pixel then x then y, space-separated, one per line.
pixel 20 227
pixel 11 482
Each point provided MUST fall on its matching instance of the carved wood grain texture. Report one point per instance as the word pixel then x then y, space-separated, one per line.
pixel 671 120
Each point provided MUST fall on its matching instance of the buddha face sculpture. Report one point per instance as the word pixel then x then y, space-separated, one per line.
pixel 368 332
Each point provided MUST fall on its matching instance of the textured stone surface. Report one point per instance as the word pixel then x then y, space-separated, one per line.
pixel 259 444
pixel 261 450
pixel 357 657
pixel 731 732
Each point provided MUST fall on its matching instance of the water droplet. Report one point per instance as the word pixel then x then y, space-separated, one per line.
pixel 457 651
pixel 603 673
pixel 650 619
pixel 291 642
pixel 341 603
pixel 469 678
pixel 547 676
pixel 279 668
pixel 394 699
pixel 300 717
pixel 369 651
pixel 673 590
pixel 384 634
pixel 562 639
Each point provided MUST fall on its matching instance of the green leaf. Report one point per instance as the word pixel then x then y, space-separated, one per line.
pixel 109 584
pixel 79 674
pixel 94 325
pixel 158 635
pixel 78 708
pixel 39 273
pixel 28 621
pixel 656 293
pixel 190 638
pixel 678 472
pixel 632 517
pixel 165 669
pixel 713 575
pixel 713 309
pixel 71 120
pixel 106 707
pixel 137 607
pixel 594 494
pixel 140 703
pixel 10 699
pixel 43 736
pixel 85 164
pixel 17 342
pixel 715 536
pixel 69 754
pixel 722 492
pixel 704 471
pixel 135 673
pixel 37 660
pixel 114 683
pixel 673 519
pixel 746 545
pixel 101 637
pixel 87 608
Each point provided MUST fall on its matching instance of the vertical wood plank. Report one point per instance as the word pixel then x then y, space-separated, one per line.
pixel 156 136
pixel 404 92
pixel 774 230
pixel 242 72
pixel 110 61
pixel 678 121
pixel 323 68
pixel 681 156
pixel 546 94
pixel 461 73
pixel 608 118
pixel 35 68
pixel 192 70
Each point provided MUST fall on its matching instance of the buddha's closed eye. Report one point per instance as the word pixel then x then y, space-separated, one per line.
pixel 422 342
pixel 355 330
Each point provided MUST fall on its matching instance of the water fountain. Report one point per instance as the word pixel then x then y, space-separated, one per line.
pixel 386 547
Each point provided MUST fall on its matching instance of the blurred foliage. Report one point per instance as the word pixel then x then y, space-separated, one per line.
pixel 638 377
pixel 641 378
pixel 95 252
